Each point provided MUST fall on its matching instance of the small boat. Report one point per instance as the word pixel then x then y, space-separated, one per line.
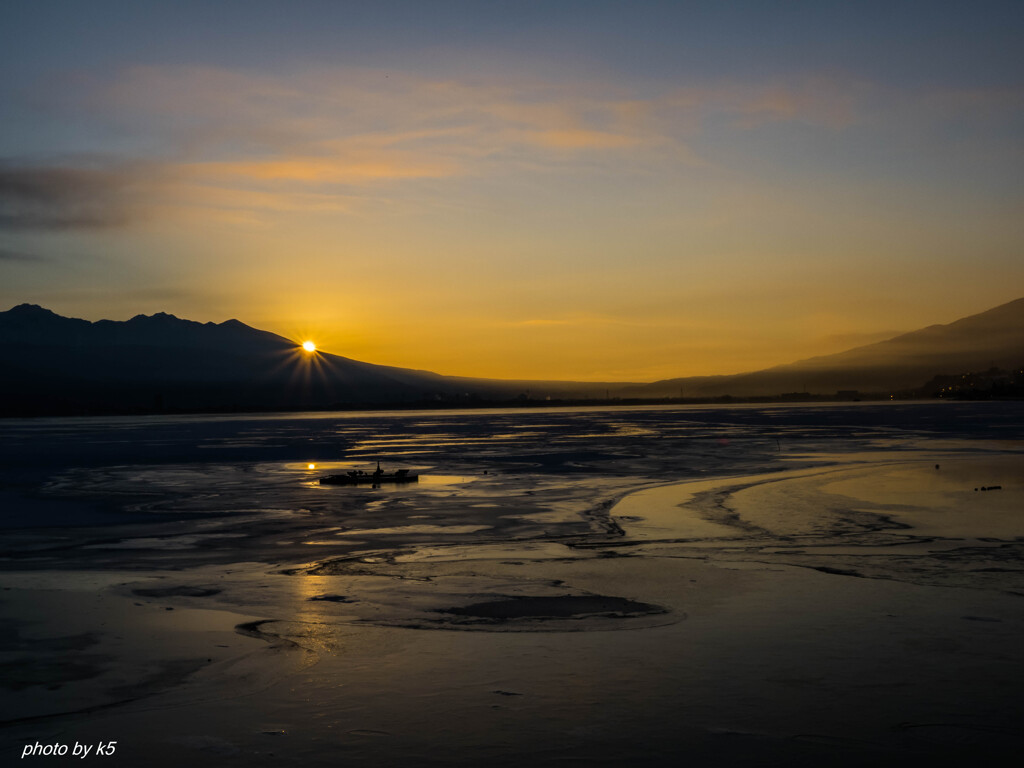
pixel 377 477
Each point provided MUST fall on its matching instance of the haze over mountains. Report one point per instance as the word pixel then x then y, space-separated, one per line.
pixel 994 338
pixel 54 364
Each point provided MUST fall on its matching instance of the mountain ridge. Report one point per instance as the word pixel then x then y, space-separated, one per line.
pixel 160 362
pixel 157 362
pixel 994 337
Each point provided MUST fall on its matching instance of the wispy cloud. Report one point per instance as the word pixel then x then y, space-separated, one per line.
pixel 322 169
pixel 213 113
pixel 89 195
pixel 317 140
pixel 217 142
pixel 233 140
pixel 21 256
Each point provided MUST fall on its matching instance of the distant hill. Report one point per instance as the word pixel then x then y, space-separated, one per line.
pixel 54 364
pixel 974 343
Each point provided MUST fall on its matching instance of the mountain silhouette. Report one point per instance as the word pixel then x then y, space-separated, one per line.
pixel 53 364
pixel 994 338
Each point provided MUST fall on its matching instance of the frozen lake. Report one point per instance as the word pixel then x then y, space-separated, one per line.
pixel 747 585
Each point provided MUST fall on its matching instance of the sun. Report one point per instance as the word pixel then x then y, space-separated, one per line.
pixel 309 346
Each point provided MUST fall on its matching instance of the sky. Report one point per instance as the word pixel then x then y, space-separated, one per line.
pixel 586 190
